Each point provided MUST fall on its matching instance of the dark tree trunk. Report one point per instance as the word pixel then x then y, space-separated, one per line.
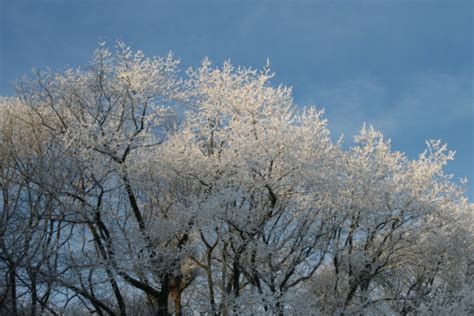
pixel 34 293
pixel 235 278
pixel 279 308
pixel 162 298
pixel 118 296
pixel 12 277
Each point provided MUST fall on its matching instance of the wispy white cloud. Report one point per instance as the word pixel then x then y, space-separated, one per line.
pixel 349 103
pixel 421 101
pixel 429 100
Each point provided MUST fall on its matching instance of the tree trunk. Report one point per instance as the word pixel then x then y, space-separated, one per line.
pixel 175 294
pixel 279 308
pixel 223 304
pixel 235 282
pixel 210 282
pixel 12 277
pixel 118 295
pixel 34 293
pixel 162 299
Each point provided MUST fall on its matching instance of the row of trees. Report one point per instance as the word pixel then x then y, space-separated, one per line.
pixel 128 188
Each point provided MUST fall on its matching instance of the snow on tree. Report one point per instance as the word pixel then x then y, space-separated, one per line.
pixel 130 187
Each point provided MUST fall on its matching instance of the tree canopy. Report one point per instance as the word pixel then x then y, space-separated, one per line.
pixel 130 187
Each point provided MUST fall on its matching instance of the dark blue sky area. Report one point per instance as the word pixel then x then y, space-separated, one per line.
pixel 404 66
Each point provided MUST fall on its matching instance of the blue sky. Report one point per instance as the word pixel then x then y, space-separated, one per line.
pixel 404 66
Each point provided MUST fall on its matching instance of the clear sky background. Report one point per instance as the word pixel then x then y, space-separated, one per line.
pixel 405 67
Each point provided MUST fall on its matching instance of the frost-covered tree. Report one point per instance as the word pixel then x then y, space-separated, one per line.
pixel 30 226
pixel 129 187
pixel 103 116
